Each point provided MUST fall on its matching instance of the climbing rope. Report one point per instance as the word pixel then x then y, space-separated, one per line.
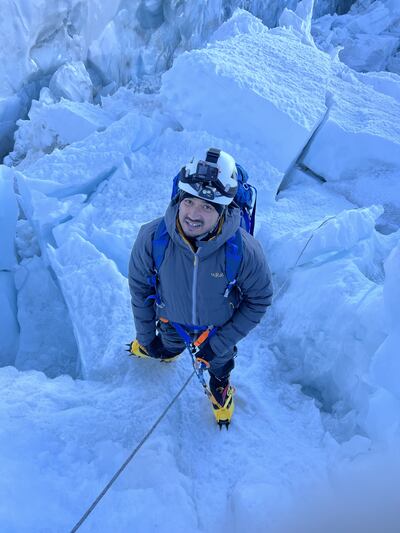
pixel 131 456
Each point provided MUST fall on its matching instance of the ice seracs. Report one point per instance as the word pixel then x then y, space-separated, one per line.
pixel 275 85
pixel 368 35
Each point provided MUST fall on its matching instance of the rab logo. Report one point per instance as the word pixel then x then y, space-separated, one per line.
pixel 217 274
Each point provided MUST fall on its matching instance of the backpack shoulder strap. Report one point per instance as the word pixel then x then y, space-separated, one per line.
pixel 233 259
pixel 159 244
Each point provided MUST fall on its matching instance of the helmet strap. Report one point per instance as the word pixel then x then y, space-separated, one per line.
pixel 213 155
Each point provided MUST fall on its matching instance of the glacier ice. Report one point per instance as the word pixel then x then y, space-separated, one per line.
pixel 264 75
pixel 9 329
pixel 52 125
pixel 41 308
pixel 366 38
pixel 357 148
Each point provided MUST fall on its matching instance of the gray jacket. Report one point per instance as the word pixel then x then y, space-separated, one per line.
pixel 192 285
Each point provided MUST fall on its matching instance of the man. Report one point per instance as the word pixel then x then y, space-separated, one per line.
pixel 189 292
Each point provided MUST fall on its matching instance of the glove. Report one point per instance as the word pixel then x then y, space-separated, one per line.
pixel 204 354
pixel 155 348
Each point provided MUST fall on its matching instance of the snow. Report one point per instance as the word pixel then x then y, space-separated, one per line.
pixel 317 401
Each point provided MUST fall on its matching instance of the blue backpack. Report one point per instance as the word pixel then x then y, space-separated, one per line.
pixel 245 199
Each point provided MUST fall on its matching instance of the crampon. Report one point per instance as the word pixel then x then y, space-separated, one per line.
pixel 137 350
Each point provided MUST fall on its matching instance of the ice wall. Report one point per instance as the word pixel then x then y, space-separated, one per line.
pixel 328 317
pixel 385 366
pixel 36 38
pixel 9 330
pixel 367 38
pixel 119 41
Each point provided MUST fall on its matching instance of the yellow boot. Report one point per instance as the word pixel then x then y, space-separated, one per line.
pixel 223 411
pixel 137 350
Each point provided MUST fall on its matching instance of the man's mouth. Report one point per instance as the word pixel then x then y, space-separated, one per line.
pixel 193 224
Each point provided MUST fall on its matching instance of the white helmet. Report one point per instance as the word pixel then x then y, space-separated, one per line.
pixel 213 180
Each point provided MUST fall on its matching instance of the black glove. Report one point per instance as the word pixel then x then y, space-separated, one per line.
pixel 155 348
pixel 205 354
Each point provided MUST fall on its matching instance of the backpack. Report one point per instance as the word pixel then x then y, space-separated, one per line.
pixel 245 199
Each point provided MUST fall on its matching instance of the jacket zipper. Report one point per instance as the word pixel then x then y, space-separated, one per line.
pixel 194 287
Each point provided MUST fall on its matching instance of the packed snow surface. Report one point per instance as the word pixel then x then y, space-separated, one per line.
pixel 317 401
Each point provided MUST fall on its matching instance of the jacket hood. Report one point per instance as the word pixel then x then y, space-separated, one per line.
pixel 229 228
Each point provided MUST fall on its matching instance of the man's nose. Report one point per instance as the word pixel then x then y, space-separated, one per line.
pixel 195 211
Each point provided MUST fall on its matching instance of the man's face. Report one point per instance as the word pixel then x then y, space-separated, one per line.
pixel 197 216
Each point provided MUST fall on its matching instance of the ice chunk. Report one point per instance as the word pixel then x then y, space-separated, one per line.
pixel 384 82
pixel 43 36
pixel 386 366
pixel 11 109
pixel 47 341
pixel 9 330
pixel 264 90
pixel 73 82
pixel 43 213
pixel 369 52
pixel 8 219
pixel 381 419
pixel 358 146
pixel 240 22
pixel 299 20
pixel 329 344
pixel 335 234
pixel 80 167
pixel 366 38
pixel 97 298
pixel 54 125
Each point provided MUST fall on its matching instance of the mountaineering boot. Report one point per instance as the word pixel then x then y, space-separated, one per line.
pixel 137 350
pixel 222 400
